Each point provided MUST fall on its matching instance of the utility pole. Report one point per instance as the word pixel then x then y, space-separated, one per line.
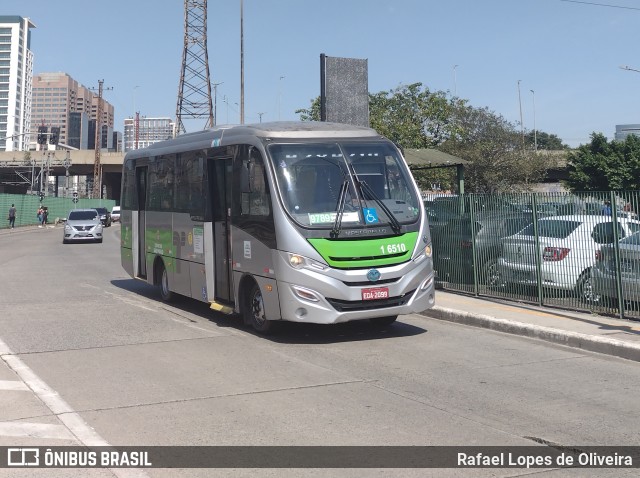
pixel 136 125
pixel 97 167
pixel 241 62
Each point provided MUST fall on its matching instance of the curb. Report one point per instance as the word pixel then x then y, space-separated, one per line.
pixel 591 343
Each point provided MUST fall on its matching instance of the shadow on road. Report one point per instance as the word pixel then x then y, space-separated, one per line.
pixel 287 332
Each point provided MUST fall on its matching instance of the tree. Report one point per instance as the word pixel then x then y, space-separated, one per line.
pixel 413 116
pixel 311 114
pixel 500 162
pixel 605 166
pixel 545 141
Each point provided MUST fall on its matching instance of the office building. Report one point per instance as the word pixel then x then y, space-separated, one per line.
pixel 16 72
pixel 57 101
pixel 142 132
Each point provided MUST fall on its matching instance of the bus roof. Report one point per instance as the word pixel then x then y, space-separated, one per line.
pixel 229 134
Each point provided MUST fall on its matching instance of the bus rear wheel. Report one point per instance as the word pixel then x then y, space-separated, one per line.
pixel 254 312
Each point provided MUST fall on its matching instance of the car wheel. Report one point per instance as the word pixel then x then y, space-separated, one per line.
pixel 383 321
pixel 491 275
pixel 165 292
pixel 584 288
pixel 254 312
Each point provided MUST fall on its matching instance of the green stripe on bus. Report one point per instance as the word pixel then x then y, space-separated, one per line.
pixel 345 254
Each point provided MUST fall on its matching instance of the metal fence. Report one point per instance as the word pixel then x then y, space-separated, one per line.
pixel 576 251
pixel 27 207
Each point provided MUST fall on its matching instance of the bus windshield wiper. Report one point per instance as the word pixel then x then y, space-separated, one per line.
pixel 337 225
pixel 393 221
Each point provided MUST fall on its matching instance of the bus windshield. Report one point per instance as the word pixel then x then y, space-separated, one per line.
pixel 367 183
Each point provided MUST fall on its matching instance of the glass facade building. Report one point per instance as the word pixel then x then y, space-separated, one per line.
pixel 16 73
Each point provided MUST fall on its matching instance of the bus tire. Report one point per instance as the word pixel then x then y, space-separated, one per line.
pixel 165 292
pixel 254 313
pixel 383 321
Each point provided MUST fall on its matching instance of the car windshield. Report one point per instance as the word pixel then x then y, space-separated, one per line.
pixel 101 210
pixel 370 180
pixel 82 215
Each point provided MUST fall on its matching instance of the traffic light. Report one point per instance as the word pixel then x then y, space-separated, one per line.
pixel 41 194
pixel 42 134
pixel 54 137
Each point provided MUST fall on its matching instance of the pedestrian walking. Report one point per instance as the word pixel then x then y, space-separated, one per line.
pixel 40 212
pixel 12 216
pixel 45 215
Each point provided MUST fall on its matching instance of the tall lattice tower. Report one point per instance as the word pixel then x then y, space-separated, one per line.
pixel 194 92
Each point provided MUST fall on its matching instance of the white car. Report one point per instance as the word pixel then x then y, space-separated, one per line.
pixel 115 214
pixel 82 225
pixel 566 254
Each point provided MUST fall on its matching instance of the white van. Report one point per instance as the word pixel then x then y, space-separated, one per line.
pixel 115 214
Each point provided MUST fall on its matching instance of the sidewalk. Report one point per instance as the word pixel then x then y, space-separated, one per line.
pixel 585 331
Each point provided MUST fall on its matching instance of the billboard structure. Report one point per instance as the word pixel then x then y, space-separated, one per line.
pixel 344 90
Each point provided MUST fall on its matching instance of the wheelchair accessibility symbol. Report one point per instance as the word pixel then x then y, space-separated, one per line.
pixel 370 215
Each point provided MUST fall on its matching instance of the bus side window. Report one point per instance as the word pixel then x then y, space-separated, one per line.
pixel 256 200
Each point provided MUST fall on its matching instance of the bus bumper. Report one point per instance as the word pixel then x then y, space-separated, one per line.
pixel 304 304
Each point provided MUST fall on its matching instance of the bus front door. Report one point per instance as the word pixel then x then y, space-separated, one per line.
pixel 221 171
pixel 141 187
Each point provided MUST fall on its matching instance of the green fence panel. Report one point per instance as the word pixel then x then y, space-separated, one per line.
pixel 27 208
pixel 576 251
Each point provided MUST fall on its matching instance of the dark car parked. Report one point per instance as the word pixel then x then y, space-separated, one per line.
pixel 105 216
pixel 453 246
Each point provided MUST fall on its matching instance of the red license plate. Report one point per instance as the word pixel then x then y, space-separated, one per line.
pixel 375 293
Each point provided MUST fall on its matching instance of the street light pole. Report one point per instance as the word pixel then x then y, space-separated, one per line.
pixel 260 114
pixel 521 122
pixel 455 83
pixel 535 133
pixel 215 102
pixel 279 95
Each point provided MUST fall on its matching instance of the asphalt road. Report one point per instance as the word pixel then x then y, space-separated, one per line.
pixel 105 362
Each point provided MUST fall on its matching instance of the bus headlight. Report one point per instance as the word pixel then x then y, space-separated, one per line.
pixel 296 261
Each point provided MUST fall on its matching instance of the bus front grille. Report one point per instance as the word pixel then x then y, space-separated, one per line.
pixel 359 305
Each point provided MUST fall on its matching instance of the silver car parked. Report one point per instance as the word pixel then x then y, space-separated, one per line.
pixel 82 225
pixel 606 271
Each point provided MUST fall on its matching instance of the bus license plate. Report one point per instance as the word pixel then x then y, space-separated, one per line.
pixel 375 293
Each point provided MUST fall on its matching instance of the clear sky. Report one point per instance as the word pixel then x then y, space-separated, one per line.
pixel 569 53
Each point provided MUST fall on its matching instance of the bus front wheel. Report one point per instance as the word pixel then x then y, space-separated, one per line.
pixel 254 312
pixel 165 292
